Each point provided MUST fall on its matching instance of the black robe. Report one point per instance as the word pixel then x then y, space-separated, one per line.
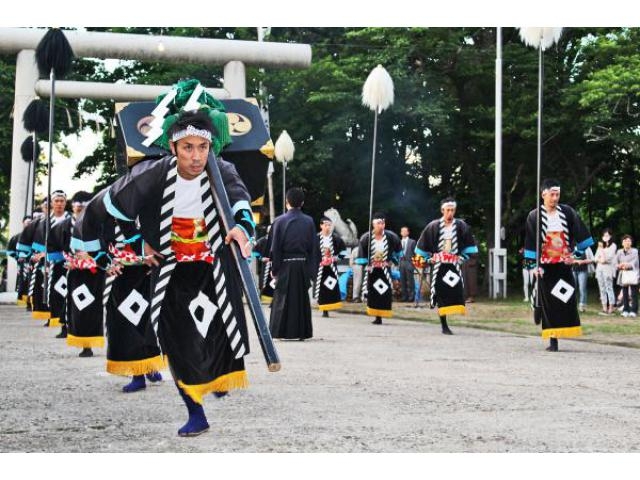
pixel 447 287
pixel 327 290
pixel 377 285
pixel 558 311
pixel 294 258
pixel 58 245
pixel 196 307
pixel 25 247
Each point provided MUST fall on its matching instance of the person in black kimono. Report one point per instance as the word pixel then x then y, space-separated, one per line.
pixel 326 290
pixel 42 296
pixel 446 243
pixel 196 304
pixel 132 348
pixel 25 246
pixel 562 238
pixel 377 251
pixel 294 259
pixel 59 246
pixel 22 253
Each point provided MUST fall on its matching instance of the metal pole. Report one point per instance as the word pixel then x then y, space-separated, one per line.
pixel 272 207
pixel 538 173
pixel 373 176
pixel 498 165
pixel 284 186
pixel 33 156
pixel 52 77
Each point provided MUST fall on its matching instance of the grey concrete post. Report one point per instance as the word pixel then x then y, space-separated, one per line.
pixel 26 78
pixel 235 79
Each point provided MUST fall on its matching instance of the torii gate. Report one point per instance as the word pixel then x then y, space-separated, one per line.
pixel 233 54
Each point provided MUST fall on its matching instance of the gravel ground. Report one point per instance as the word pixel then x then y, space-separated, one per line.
pixel 354 387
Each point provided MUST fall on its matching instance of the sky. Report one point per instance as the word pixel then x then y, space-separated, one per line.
pixel 63 168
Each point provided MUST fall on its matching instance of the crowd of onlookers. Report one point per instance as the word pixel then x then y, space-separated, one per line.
pixel 616 271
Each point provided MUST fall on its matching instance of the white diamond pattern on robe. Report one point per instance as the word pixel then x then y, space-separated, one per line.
pixel 136 299
pixel 209 310
pixel 330 283
pixel 562 291
pixel 451 278
pixel 82 297
pixel 61 286
pixel 380 286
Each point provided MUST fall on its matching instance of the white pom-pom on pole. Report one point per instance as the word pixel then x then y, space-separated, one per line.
pixel 540 37
pixel 377 94
pixel 284 150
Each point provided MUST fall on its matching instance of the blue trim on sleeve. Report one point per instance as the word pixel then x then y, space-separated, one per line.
pixel 470 250
pixel 585 243
pixel 113 211
pixel 361 261
pixel 55 257
pixel 38 247
pixel 22 247
pixel 132 239
pixel 91 246
pixel 240 205
pixel 246 216
pixel 395 256
pixel 422 253
pixel 530 254
pixel 76 244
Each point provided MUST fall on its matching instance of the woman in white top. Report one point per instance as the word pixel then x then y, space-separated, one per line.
pixel 627 259
pixel 605 271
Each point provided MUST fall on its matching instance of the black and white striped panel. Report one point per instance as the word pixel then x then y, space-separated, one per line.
pixel 215 240
pixel 565 225
pixel 434 275
pixel 160 290
pixel 166 211
pixel 169 263
pixel 32 280
pixel 454 238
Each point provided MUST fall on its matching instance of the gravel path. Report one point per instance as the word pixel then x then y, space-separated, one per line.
pixel 354 387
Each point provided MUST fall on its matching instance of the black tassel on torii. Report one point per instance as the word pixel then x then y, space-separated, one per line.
pixel 36 117
pixel 53 56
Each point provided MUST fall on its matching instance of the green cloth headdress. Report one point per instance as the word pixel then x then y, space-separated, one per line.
pixel 188 95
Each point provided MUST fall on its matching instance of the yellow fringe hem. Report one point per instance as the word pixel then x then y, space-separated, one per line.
pixel 24 298
pixel 330 306
pixel 85 342
pixel 452 310
pixel 562 332
pixel 264 298
pixel 54 322
pixel 374 312
pixel 40 315
pixel 137 367
pixel 223 383
pixel 21 302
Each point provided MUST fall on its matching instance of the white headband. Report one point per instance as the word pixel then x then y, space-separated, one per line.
pixel 191 131
pixel 449 204
pixel 551 189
